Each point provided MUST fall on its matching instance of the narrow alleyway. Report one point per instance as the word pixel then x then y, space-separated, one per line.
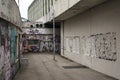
pixel 43 67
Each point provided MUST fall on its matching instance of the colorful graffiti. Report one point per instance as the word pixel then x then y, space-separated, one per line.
pixel 41 43
pixel 7 51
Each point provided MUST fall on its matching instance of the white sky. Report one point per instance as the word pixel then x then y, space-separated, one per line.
pixel 24 4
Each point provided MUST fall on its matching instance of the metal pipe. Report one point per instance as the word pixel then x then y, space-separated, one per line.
pixel 54 38
pixel 53 33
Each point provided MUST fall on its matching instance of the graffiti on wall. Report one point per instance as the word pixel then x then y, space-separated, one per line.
pixel 105 46
pixel 41 43
pixel 38 31
pixel 72 44
pixel 101 46
pixel 46 43
pixel 4 52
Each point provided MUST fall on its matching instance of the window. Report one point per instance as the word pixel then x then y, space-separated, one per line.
pixel 31 26
pixel 51 2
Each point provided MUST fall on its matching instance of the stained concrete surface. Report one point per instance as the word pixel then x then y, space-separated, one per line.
pixel 43 67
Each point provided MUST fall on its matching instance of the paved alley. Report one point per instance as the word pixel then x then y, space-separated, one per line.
pixel 43 67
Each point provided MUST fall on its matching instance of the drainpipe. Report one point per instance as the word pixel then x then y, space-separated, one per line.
pixel 54 33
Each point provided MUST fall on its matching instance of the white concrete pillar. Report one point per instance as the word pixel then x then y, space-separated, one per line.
pixel 62 38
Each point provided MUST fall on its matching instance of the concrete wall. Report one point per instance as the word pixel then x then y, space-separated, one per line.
pixel 101 19
pixel 39 8
pixel 35 10
pixel 62 6
pixel 10 11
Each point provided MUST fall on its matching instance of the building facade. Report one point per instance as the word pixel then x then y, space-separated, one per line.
pixel 38 9
pixel 35 10
pixel 38 38
pixel 89 32
pixel 10 22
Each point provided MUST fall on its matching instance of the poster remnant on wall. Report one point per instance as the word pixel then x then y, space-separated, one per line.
pixel 4 52
pixel 101 46
pixel 83 44
pixel 77 40
pixel 93 47
pixel 104 46
pixel 69 44
pixel 66 44
pixel 76 44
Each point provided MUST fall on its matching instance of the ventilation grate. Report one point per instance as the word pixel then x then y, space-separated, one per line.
pixel 74 67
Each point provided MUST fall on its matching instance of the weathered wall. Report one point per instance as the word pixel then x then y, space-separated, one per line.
pixel 10 23
pixel 62 6
pixel 93 38
pixel 8 50
pixel 10 11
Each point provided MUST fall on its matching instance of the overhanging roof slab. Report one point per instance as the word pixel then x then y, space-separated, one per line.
pixel 78 8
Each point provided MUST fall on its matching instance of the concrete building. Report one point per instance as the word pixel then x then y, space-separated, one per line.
pixel 39 36
pixel 89 32
pixel 35 10
pixel 10 29
pixel 39 8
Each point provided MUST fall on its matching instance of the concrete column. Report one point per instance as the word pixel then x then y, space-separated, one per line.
pixel 62 38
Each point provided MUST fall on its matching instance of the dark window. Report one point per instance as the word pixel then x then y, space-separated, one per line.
pixel 37 25
pixel 31 26
pixel 40 25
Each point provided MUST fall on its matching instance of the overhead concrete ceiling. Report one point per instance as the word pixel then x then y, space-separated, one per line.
pixel 80 7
